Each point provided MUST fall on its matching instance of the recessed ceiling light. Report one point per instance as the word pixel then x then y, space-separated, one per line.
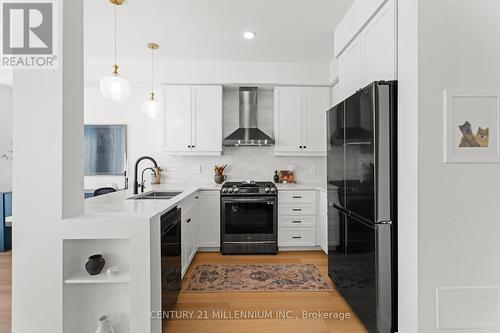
pixel 249 35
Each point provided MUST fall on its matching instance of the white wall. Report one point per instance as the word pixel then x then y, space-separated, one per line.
pixel 47 175
pixel 174 72
pixel 6 76
pixel 458 203
pixel 408 166
pixel 5 137
pixel 145 137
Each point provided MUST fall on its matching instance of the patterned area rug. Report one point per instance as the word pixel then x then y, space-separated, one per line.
pixel 269 277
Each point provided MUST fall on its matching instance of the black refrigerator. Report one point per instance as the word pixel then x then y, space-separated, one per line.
pixel 362 207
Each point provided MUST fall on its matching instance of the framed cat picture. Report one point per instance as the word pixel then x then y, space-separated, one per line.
pixel 471 126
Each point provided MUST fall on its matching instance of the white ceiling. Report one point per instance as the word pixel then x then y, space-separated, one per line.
pixel 211 30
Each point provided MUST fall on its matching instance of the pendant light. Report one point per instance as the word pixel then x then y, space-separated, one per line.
pixel 151 107
pixel 114 87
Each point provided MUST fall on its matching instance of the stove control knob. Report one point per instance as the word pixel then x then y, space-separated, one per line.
pixel 267 190
pixel 236 190
pixel 230 190
pixel 224 190
pixel 273 189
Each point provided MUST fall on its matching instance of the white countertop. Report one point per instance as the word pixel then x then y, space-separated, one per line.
pixel 300 186
pixel 117 203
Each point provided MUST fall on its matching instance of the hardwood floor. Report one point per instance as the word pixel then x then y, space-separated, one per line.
pixel 231 302
pixel 5 291
pixel 208 305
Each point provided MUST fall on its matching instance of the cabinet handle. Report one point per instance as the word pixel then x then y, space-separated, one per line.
pixel 189 146
pixel 305 147
pixel 297 197
pixel 296 221
pixel 188 220
pixel 296 209
pixel 192 146
pixel 300 147
pixel 296 237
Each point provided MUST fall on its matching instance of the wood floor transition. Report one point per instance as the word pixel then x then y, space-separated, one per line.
pixel 231 303
pixel 5 291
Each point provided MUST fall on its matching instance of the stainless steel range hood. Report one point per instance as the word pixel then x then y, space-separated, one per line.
pixel 248 134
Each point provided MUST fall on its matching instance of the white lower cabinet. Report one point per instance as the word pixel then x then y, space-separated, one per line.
pixel 209 219
pixel 189 234
pixel 296 209
pixel 200 225
pixel 296 221
pixel 297 218
pixel 297 236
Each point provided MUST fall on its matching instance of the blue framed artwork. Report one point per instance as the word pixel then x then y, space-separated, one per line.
pixel 105 149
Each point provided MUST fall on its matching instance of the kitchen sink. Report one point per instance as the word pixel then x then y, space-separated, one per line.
pixel 155 195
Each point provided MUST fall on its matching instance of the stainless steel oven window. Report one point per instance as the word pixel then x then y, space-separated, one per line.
pixel 249 216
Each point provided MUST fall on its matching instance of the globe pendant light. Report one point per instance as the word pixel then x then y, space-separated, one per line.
pixel 151 107
pixel 114 87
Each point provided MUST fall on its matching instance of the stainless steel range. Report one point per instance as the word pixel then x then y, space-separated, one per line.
pixel 249 214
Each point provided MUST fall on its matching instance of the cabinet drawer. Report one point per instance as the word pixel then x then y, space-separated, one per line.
pixel 296 209
pixel 297 196
pixel 296 237
pixel 297 221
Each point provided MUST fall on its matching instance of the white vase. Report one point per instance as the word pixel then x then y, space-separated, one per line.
pixel 104 325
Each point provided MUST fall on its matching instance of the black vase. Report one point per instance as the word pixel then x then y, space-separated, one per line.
pixel 95 264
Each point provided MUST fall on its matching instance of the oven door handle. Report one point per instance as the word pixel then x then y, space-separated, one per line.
pixel 250 200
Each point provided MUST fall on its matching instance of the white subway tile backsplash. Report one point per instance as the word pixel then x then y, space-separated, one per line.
pixel 257 163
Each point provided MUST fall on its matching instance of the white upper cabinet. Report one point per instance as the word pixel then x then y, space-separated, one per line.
pixel 207 120
pixel 177 118
pixel 288 119
pixel 350 69
pixel 371 55
pixel 379 46
pixel 193 120
pixel 299 120
pixel 316 102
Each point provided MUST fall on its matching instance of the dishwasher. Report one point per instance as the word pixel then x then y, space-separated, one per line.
pixel 170 231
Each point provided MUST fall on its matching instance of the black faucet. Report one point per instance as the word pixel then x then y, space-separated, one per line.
pixel 136 184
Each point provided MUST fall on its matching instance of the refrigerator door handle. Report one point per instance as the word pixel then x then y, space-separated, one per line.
pixel 337 207
pixel 384 222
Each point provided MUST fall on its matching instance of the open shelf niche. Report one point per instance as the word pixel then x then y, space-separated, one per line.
pixel 87 297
